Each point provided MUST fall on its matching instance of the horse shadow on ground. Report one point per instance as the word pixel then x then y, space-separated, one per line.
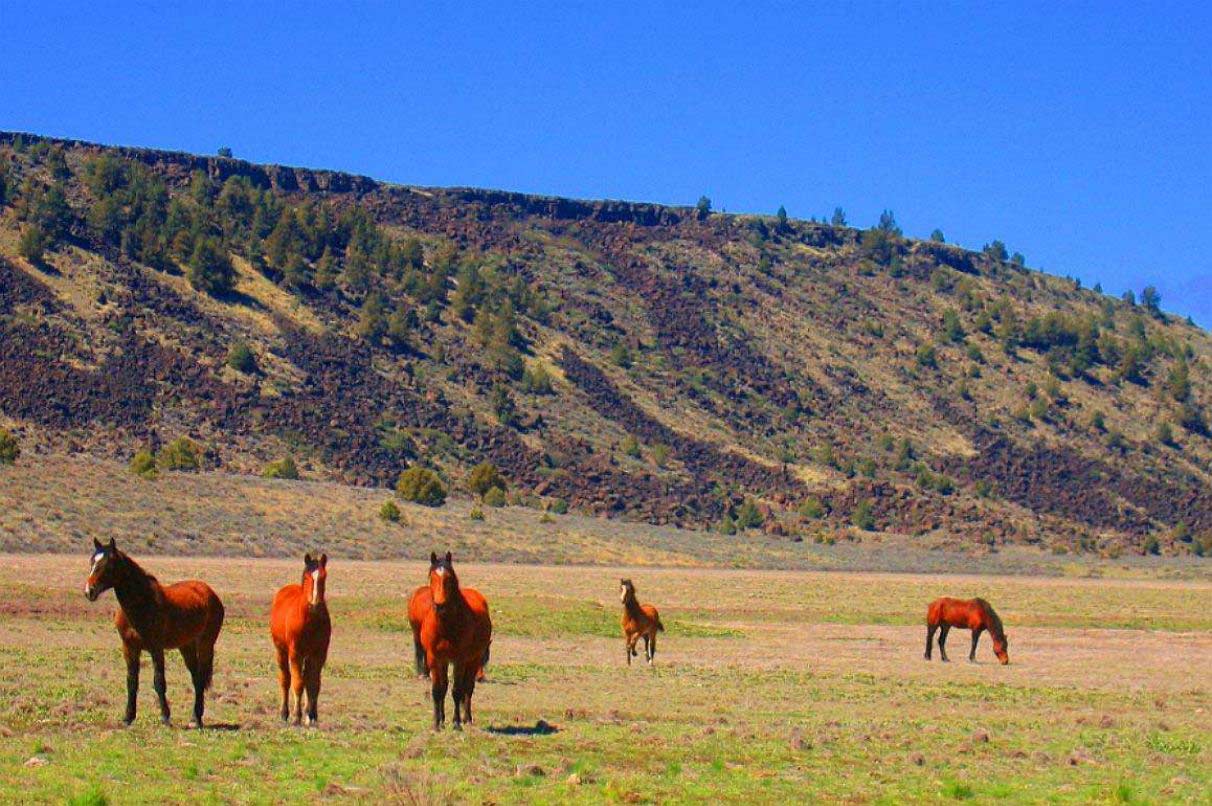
pixel 539 728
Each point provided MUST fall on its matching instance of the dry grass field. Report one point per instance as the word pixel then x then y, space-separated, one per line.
pixel 769 686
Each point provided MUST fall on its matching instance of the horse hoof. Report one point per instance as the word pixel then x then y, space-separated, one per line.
pixel 128 721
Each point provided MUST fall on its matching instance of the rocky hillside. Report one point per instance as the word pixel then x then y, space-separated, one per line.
pixel 632 360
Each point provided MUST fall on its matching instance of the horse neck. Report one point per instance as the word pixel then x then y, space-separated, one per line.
pixel 138 592
pixel 632 605
pixel 455 607
pixel 992 623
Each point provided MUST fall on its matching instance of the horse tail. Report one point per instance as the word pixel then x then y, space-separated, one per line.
pixel 487 652
pixel 660 626
pixel 206 657
pixel 419 657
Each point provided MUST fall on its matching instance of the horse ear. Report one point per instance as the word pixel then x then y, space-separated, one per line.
pixel 96 544
pixel 307 560
pixel 433 558
pixel 323 560
pixel 113 545
pixel 449 559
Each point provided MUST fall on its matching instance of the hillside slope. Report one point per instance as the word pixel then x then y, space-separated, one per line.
pixel 635 360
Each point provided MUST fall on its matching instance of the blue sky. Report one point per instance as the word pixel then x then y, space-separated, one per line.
pixel 1081 135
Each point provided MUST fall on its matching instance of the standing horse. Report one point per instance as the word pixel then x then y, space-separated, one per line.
pixel 638 620
pixel 154 617
pixel 419 604
pixel 300 628
pixel 966 614
pixel 456 629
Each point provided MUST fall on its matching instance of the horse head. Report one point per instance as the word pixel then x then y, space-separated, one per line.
pixel 626 590
pixel 315 570
pixel 1001 646
pixel 443 584
pixel 103 572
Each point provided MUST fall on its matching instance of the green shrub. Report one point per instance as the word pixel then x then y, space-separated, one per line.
pixel 862 517
pixel 494 497
pixel 1165 433
pixel 421 485
pixel 660 455
pixel 240 357
pixel 210 270
pixel 389 511
pixel 748 516
pixel 284 468
pixel 812 508
pixel 143 464
pixel 631 447
pixel 32 244
pixel 485 477
pixel 620 356
pixel 926 357
pixel 559 506
pixel 9 449
pixel 726 526
pixel 537 380
pixel 1151 546
pixel 180 454
pixel 476 514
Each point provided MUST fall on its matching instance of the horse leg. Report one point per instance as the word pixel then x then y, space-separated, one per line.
pixel 189 653
pixel 296 685
pixel 438 674
pixel 976 636
pixel 460 691
pixel 131 654
pixel 942 642
pixel 652 649
pixel 469 688
pixel 311 679
pixel 648 649
pixel 284 682
pixel 930 630
pixel 161 683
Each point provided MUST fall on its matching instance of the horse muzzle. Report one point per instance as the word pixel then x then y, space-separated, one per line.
pixel 92 593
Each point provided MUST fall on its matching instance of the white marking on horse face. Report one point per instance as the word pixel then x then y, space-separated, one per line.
pixel 440 571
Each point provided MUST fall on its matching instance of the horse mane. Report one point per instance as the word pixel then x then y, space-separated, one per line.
pixel 995 621
pixel 133 568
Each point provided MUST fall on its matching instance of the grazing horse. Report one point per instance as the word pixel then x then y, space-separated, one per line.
pixel 638 620
pixel 419 604
pixel 455 629
pixel 300 628
pixel 154 617
pixel 966 614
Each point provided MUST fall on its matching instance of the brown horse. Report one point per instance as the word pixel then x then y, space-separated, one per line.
pixel 456 629
pixel 154 617
pixel 966 614
pixel 419 604
pixel 301 629
pixel 638 620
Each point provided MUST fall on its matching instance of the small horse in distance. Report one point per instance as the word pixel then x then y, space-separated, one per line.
pixel 152 617
pixel 966 614
pixel 456 630
pixel 419 604
pixel 300 628
pixel 638 620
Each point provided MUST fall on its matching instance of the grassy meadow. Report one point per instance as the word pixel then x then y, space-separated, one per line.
pixel 769 686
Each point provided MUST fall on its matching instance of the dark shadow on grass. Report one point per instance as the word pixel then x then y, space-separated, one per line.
pixel 228 726
pixel 540 728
